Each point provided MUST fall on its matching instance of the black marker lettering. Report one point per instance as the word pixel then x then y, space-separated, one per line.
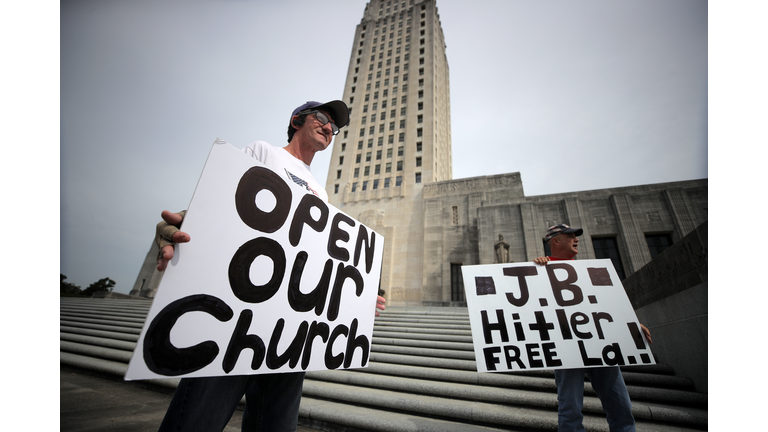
pixel 162 357
pixel 240 267
pixel 558 286
pixel 303 217
pixel 254 181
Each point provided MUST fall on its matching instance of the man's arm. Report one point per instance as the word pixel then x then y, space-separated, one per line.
pixel 647 333
pixel 168 234
pixel 380 304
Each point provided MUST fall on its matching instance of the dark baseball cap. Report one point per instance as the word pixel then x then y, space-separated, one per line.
pixel 338 110
pixel 561 229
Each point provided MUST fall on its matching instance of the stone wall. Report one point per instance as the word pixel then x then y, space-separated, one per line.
pixel 669 295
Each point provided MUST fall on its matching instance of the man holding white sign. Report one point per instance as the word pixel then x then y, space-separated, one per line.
pixel 272 399
pixel 606 381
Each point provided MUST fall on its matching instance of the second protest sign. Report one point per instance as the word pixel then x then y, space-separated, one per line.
pixel 567 314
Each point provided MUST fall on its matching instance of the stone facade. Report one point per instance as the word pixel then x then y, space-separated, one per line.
pixel 464 218
pixel 670 297
pixel 149 278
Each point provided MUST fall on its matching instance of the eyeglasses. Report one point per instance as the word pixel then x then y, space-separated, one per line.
pixel 324 120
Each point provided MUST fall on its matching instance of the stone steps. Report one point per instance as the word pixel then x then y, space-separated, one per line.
pixel 421 377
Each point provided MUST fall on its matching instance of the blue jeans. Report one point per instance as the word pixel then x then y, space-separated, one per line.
pixel 207 404
pixel 609 386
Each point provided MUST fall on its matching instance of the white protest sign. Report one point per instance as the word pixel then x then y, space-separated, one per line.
pixel 567 314
pixel 273 280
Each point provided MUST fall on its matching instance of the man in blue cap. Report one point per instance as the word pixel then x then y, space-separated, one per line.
pixel 272 400
pixel 607 382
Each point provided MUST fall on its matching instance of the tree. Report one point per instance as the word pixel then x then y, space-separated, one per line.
pixel 68 288
pixel 104 284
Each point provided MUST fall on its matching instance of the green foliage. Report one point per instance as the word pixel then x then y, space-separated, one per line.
pixel 69 289
pixel 105 284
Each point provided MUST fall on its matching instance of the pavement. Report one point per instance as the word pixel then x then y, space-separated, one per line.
pixel 94 402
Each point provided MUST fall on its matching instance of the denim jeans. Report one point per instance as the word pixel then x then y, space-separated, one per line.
pixel 207 404
pixel 609 386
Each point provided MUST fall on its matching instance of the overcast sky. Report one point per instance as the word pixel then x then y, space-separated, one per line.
pixel 574 95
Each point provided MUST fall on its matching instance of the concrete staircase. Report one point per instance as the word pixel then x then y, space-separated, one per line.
pixel 421 377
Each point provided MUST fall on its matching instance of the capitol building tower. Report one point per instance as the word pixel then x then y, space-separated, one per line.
pixel 399 136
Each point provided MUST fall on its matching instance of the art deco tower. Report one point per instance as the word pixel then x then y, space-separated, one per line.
pixel 399 136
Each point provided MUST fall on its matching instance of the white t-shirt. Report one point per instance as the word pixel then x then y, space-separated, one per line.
pixel 287 166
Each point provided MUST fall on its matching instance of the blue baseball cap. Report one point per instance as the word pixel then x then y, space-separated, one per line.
pixel 561 229
pixel 337 108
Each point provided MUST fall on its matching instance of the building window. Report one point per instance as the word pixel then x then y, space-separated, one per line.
pixel 357 172
pixel 341 160
pixel 377 170
pixel 401 137
pixel 606 247
pixel 357 158
pixel 376 184
pixel 400 150
pixel 388 167
pixel 366 171
pixel 418 146
pixel 338 174
pixel 418 177
pixel 365 185
pixel 658 243
pixel 386 182
pixel 378 154
pixel 455 214
pixel 368 157
pixel 457 283
pixel 418 161
pixel 335 189
pixel 354 186
pixel 398 180
pixel 418 132
pixel 399 165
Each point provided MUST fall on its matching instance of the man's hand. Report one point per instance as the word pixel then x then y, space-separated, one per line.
pixel 380 304
pixel 541 260
pixel 647 333
pixel 167 235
